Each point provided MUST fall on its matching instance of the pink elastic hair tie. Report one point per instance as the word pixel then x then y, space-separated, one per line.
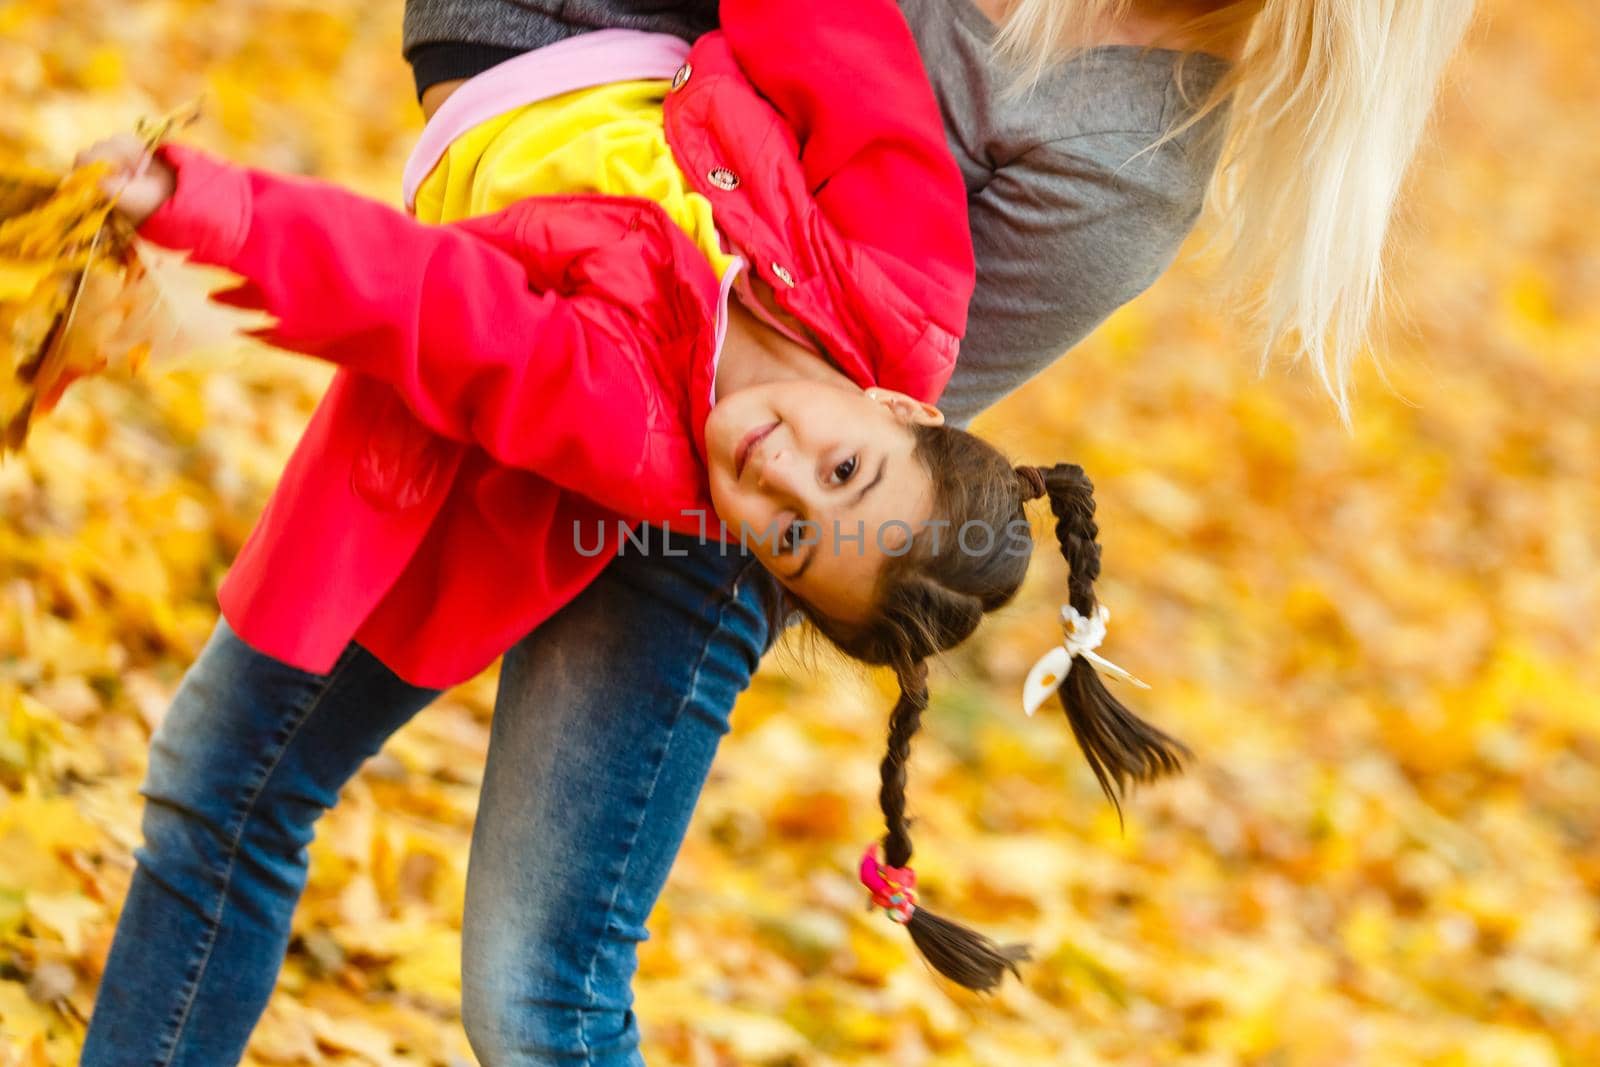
pixel 892 887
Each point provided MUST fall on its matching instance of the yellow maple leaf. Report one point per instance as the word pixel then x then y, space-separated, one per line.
pixel 80 296
pixel 47 245
pixel 182 322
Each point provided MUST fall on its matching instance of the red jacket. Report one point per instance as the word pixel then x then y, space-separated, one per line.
pixel 509 380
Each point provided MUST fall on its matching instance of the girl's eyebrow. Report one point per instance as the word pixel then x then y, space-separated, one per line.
pixel 876 478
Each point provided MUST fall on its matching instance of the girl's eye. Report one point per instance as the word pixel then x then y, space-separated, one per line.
pixel 843 472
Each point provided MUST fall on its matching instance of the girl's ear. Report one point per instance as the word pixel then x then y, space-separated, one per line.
pixel 907 409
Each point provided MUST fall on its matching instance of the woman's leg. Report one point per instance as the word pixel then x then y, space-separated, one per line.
pixel 606 724
pixel 250 753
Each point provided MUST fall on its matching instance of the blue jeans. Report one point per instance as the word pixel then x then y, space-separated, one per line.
pixel 605 725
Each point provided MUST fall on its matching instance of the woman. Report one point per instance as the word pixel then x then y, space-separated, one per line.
pixel 1080 191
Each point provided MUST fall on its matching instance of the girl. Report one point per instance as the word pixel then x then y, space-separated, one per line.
pixel 441 445
pixel 567 354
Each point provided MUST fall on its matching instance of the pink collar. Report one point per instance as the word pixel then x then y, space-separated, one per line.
pixel 581 62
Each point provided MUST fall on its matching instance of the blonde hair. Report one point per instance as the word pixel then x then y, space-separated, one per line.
pixel 1326 105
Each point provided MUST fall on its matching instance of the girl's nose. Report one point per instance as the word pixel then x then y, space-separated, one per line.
pixel 775 473
pixel 769 468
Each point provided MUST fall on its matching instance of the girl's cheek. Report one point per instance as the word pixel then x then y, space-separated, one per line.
pixel 821 419
pixel 724 497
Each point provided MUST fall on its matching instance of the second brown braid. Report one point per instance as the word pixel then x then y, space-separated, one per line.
pixel 1032 479
pixel 904 722
pixel 958 952
pixel 1076 531
pixel 1121 747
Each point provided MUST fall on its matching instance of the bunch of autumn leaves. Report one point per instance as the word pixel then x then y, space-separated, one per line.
pixel 81 296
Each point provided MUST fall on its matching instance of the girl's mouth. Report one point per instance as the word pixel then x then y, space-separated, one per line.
pixel 741 454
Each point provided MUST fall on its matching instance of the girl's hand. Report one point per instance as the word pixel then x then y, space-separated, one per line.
pixel 140 181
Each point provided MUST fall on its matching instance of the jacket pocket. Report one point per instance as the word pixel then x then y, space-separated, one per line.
pixel 401 463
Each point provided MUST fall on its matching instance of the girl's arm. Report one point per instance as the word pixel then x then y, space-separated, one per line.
pixel 463 321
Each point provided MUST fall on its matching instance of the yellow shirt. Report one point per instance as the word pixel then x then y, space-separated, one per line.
pixel 608 139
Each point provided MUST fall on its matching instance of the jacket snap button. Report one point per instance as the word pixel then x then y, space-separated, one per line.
pixel 723 178
pixel 783 274
pixel 682 76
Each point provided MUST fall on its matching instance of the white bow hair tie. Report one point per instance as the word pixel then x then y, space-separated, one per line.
pixel 1082 637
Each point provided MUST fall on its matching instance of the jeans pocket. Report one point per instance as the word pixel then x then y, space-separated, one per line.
pixel 402 463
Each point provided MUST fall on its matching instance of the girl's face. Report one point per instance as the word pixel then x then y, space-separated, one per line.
pixel 819 481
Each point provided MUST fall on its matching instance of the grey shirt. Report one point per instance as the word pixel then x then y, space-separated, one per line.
pixel 1066 224
pixel 1065 228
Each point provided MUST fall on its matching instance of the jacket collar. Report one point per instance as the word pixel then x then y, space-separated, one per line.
pixel 703 375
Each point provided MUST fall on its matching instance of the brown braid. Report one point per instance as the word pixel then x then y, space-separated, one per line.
pixel 955 951
pixel 1032 479
pixel 903 724
pixel 932 598
pixel 1120 746
pixel 1072 502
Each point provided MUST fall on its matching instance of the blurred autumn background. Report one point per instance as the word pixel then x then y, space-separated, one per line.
pixel 1384 647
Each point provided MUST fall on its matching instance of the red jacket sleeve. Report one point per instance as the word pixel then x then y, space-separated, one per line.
pixel 848 79
pixel 440 313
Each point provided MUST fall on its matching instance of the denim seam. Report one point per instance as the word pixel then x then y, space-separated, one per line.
pixel 303 714
pixel 730 597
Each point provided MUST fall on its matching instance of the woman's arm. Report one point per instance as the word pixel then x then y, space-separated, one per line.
pixel 1063 238
pixel 477 340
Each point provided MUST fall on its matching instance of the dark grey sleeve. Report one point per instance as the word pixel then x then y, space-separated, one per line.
pixel 1064 235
